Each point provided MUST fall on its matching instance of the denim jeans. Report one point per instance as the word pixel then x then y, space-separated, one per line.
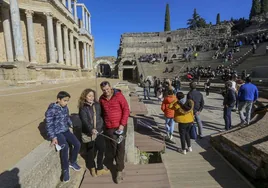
pixel 199 124
pixel 67 138
pixel 184 130
pixel 244 108
pixel 146 93
pixel 169 122
pixel 227 111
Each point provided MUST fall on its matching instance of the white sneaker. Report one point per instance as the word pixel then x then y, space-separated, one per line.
pixel 183 152
pixel 168 135
pixel 190 149
pixel 171 136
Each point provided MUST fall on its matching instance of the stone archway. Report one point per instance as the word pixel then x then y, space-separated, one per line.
pixel 103 68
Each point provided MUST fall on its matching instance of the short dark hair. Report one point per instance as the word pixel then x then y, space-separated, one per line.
pixel 105 83
pixel 192 85
pixel 248 79
pixel 228 84
pixel 63 94
pixel 180 95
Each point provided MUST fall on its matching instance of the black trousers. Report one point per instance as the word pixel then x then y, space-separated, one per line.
pixel 184 130
pixel 207 91
pixel 114 150
pixel 96 148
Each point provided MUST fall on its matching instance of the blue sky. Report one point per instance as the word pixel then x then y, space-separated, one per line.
pixel 111 18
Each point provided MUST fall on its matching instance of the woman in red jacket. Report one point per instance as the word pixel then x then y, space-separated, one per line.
pixel 169 113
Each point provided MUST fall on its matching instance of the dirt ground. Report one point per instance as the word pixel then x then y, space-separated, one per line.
pixel 22 114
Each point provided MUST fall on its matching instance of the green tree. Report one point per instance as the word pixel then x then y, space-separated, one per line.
pixel 167 19
pixel 255 8
pixel 264 6
pixel 218 19
pixel 196 21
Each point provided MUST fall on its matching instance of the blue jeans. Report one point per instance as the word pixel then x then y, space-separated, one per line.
pixel 169 122
pixel 146 93
pixel 65 139
pixel 245 107
pixel 227 111
pixel 199 124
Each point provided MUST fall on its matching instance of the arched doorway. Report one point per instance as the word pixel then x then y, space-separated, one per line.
pixel 128 74
pixel 104 70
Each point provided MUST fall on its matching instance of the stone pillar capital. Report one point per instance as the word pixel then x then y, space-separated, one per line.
pixel 59 22
pixel 48 14
pixel 29 13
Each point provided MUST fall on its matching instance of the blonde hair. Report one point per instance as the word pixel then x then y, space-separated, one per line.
pixel 82 98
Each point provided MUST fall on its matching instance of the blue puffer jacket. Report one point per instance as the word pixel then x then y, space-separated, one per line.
pixel 57 120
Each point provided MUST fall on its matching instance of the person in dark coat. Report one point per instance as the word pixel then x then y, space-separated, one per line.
pixel 228 103
pixel 92 124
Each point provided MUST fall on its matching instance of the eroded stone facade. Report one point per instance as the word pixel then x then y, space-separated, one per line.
pixel 45 36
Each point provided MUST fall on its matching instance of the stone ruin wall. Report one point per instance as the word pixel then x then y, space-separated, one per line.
pixel 136 44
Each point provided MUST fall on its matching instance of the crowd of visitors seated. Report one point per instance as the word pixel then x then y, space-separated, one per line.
pixel 150 58
pixel 207 72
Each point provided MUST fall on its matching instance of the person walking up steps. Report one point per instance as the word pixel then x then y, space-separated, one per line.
pixel 57 126
pixel 184 116
pixel 169 113
pixel 198 99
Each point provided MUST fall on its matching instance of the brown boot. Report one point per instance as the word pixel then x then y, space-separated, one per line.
pixel 93 172
pixel 103 172
pixel 119 177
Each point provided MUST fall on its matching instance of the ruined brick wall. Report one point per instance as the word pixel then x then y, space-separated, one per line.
pixel 171 42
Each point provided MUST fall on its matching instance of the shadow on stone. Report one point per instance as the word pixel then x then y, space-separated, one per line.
pixel 42 130
pixel 10 179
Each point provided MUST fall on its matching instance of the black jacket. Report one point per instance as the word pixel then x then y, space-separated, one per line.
pixel 198 99
pixel 87 118
pixel 229 98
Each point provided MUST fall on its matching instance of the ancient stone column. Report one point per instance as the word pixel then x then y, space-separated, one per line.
pixel 89 24
pixel 77 53
pixel 86 21
pixel 66 45
pixel 30 34
pixel 59 43
pixel 63 2
pixel 70 5
pixel 75 12
pixel 50 34
pixel 85 55
pixel 7 33
pixel 89 57
pixel 73 59
pixel 16 28
pixel 83 17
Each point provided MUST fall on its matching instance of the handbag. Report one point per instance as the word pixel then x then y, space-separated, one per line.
pixel 89 138
pixel 193 132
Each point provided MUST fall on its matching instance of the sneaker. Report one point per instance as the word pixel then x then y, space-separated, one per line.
pixel 119 177
pixel 75 166
pixel 93 172
pixel 171 136
pixel 65 176
pixel 183 152
pixel 103 172
pixel 190 149
pixel 168 135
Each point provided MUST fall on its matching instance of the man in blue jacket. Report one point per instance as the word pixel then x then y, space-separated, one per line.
pixel 247 94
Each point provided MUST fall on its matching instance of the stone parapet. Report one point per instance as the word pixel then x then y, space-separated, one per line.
pixel 246 148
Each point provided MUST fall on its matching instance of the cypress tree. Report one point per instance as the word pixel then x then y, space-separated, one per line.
pixel 218 19
pixel 167 19
pixel 255 8
pixel 264 6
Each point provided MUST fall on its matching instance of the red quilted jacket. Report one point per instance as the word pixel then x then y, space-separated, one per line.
pixel 115 111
